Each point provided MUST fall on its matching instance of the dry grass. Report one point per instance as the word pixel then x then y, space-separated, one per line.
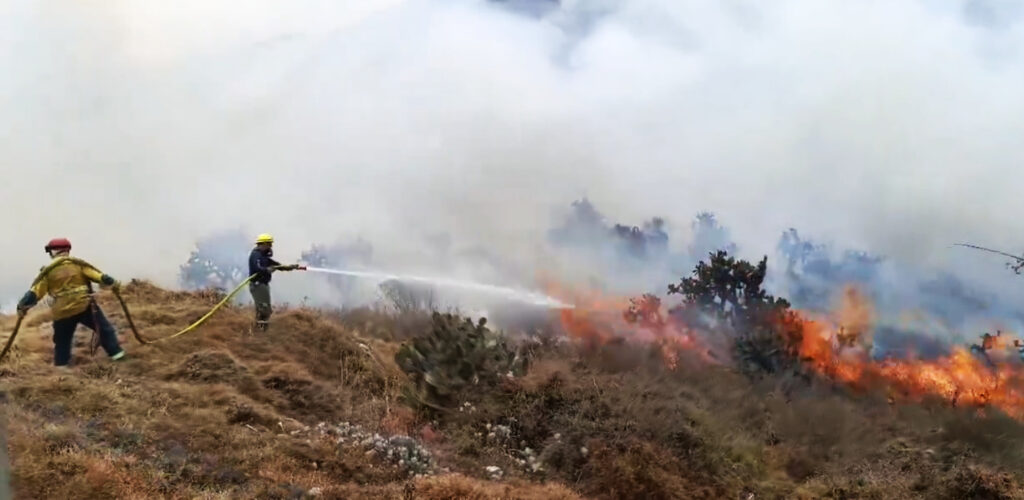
pixel 221 413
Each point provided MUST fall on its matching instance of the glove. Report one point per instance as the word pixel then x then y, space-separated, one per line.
pixel 26 302
pixel 116 287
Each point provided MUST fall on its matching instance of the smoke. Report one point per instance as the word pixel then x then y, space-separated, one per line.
pixel 138 128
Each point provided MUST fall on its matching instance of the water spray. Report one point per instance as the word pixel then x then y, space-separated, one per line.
pixel 532 298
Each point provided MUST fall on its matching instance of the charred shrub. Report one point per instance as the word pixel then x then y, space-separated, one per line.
pixel 586 227
pixel 216 262
pixel 453 356
pixel 725 295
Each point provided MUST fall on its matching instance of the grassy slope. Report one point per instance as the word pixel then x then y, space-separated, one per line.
pixel 220 413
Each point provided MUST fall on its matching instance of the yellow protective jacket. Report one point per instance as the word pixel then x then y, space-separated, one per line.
pixel 68 280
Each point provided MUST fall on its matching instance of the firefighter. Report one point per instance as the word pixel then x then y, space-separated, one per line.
pixel 68 280
pixel 262 264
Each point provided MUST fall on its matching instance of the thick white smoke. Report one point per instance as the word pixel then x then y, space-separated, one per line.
pixel 137 127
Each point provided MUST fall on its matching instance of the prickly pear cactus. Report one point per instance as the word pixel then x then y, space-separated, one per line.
pixel 455 355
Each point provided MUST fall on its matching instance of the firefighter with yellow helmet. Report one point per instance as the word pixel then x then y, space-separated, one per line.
pixel 261 265
pixel 68 280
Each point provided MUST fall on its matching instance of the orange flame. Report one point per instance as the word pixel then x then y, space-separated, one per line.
pixel 597 320
pixel 836 346
pixel 961 378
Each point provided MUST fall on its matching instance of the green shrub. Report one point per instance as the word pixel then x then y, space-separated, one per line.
pixel 453 356
pixel 725 295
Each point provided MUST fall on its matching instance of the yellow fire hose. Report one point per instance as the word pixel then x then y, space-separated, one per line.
pixel 189 328
pixel 131 323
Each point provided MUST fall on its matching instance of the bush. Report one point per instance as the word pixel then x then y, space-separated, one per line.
pixel 454 355
pixel 408 298
pixel 725 296
pixel 217 261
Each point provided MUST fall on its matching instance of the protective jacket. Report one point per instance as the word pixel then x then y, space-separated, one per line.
pixel 261 264
pixel 69 281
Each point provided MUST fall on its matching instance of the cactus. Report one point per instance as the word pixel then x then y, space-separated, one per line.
pixel 455 355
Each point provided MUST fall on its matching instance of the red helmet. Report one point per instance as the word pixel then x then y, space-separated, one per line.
pixel 58 244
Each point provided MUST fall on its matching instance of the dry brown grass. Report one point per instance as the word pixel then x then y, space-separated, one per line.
pixel 206 415
pixel 221 413
pixel 457 486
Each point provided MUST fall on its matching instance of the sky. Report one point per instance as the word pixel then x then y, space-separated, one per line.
pixel 135 127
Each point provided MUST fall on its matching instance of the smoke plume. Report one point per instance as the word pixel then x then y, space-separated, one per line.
pixel 139 128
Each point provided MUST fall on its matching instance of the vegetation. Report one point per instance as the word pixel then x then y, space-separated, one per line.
pixel 224 414
pixel 725 295
pixel 454 356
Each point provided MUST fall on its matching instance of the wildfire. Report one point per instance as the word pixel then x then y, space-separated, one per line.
pixel 961 377
pixel 597 319
pixel 836 346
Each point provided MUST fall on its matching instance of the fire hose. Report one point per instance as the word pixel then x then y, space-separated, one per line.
pixel 10 340
pixel 189 328
pixel 227 298
pixel 131 323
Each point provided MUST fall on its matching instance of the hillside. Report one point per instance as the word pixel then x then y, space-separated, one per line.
pixel 312 408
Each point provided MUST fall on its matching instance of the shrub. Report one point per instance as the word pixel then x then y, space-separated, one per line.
pixel 725 296
pixel 407 298
pixel 454 355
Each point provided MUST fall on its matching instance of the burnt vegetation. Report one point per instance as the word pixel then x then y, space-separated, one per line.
pixel 336 404
pixel 222 413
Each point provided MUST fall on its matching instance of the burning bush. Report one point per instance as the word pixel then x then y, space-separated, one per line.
pixel 454 355
pixel 725 296
pixel 812 273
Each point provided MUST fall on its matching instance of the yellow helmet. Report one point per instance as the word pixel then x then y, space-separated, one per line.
pixel 264 238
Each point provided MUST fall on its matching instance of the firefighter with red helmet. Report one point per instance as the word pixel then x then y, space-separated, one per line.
pixel 68 281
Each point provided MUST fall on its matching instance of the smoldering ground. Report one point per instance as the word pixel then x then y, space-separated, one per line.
pixel 137 129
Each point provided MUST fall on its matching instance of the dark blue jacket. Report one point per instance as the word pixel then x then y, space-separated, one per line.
pixel 260 264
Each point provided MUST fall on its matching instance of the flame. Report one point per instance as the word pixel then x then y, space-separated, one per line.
pixel 836 346
pixel 597 319
pixel 961 377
